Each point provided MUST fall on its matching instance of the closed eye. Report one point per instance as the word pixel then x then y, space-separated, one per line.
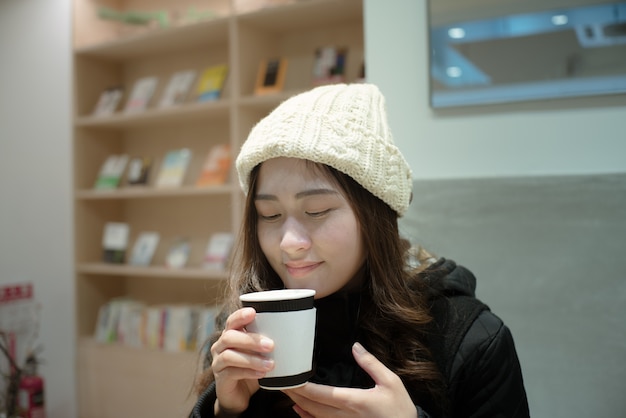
pixel 269 217
pixel 318 214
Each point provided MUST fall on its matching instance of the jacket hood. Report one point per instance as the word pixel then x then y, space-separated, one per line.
pixel 451 279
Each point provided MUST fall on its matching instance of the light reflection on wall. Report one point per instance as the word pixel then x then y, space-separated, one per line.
pixel 554 53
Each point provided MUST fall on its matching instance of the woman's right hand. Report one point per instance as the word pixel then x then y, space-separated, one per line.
pixel 238 362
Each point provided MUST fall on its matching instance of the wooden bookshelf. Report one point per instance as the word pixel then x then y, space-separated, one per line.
pixel 107 54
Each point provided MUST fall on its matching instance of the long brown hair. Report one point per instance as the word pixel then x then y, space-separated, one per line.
pixel 396 307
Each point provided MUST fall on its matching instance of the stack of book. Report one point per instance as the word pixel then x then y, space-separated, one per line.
pixel 167 327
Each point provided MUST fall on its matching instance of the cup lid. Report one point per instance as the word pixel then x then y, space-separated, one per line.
pixel 283 300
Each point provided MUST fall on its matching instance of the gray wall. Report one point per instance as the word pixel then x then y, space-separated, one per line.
pixel 575 136
pixel 546 252
pixel 35 179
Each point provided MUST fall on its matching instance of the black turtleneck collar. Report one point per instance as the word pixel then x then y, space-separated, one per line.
pixel 337 329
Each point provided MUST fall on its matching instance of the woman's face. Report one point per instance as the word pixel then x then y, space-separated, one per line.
pixel 307 229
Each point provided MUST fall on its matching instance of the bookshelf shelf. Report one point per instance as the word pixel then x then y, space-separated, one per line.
pixel 106 55
pixel 155 117
pixel 104 269
pixel 144 192
pixel 157 41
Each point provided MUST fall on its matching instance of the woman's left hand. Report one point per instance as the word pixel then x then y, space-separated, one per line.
pixel 388 397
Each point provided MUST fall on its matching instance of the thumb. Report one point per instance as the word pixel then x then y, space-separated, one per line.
pixel 372 366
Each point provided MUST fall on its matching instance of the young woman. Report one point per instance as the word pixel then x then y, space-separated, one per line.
pixel 399 333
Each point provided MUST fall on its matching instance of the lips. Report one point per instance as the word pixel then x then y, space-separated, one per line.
pixel 301 269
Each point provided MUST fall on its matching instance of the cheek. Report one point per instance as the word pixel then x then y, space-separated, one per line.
pixel 265 240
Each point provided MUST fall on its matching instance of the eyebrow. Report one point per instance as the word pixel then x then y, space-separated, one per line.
pixel 299 195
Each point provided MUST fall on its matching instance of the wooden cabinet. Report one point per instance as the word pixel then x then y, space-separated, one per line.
pixel 115 380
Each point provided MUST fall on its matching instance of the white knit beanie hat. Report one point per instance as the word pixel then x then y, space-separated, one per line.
pixel 341 125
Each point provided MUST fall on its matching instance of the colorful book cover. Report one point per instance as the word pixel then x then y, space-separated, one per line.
pixel 153 326
pixel 138 170
pixel 329 65
pixel 178 254
pixel 109 101
pixel 179 328
pixel 115 242
pixel 111 172
pixel 218 250
pixel 206 326
pixel 211 83
pixel 144 248
pixel 216 166
pixel 142 93
pixel 177 88
pixel 174 167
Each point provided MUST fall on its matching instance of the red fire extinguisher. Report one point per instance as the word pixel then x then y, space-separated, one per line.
pixel 31 391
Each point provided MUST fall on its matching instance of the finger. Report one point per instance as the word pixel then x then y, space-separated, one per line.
pixel 308 405
pixel 311 393
pixel 240 318
pixel 242 341
pixel 242 360
pixel 301 412
pixel 372 366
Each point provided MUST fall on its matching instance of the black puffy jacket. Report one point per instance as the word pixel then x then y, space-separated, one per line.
pixel 472 347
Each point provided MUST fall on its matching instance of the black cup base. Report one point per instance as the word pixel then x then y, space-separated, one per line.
pixel 285 382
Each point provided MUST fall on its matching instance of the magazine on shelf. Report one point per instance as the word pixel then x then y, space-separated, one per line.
pixel 109 101
pixel 153 328
pixel 271 76
pixel 177 88
pixel 206 326
pixel 216 166
pixel 174 168
pixel 329 65
pixel 138 171
pixel 211 83
pixel 115 242
pixel 218 251
pixel 178 254
pixel 141 94
pixel 111 172
pixel 180 328
pixel 109 319
pixel 130 322
pixel 144 248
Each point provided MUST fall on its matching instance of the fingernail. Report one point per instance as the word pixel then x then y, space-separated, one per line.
pixel 268 364
pixel 359 348
pixel 266 343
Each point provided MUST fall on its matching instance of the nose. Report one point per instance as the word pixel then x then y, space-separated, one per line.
pixel 294 237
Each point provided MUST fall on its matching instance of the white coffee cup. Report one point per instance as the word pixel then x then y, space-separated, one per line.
pixel 287 317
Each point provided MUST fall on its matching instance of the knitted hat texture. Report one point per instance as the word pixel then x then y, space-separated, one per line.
pixel 341 125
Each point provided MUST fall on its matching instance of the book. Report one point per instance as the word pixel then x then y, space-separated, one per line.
pixel 180 326
pixel 206 326
pixel 141 94
pixel 108 102
pixel 111 172
pixel 174 168
pixel 115 242
pixel 178 254
pixel 108 321
pixel 138 170
pixel 218 250
pixel 216 166
pixel 153 326
pixel 329 65
pixel 129 322
pixel 105 332
pixel 271 76
pixel 211 83
pixel 144 248
pixel 177 88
